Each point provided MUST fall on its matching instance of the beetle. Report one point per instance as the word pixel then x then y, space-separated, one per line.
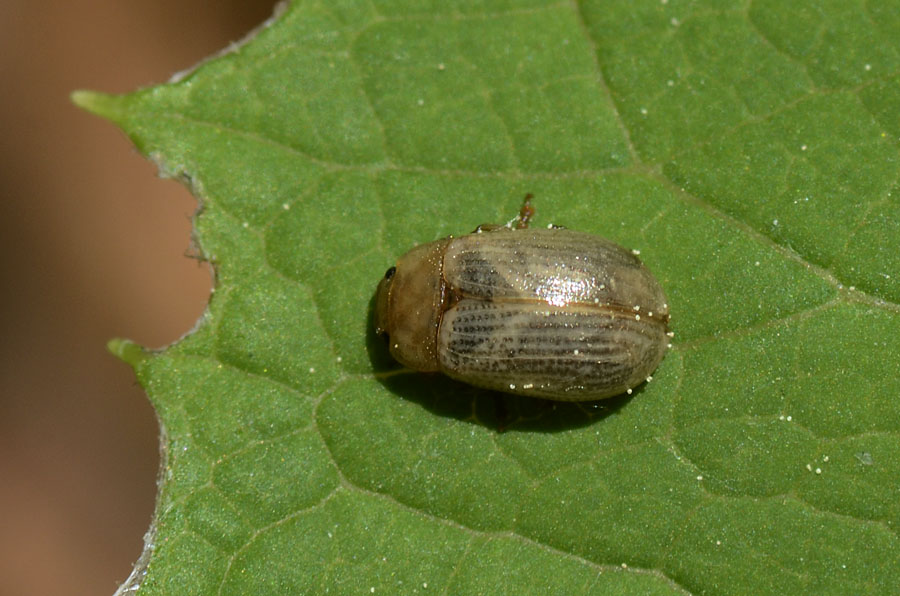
pixel 550 313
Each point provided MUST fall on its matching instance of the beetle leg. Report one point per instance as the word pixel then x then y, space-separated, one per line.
pixel 487 228
pixel 525 213
pixel 519 222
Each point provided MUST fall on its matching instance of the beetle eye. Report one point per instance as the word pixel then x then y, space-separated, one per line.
pixel 390 273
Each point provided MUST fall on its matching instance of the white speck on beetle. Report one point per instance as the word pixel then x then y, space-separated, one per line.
pixel 774 222
pixel 575 352
pixel 868 67
pixel 674 22
pixel 635 251
pixel 629 391
pixel 649 379
pixel 809 467
pixel 245 224
pixel 637 317
pixel 420 102
pixel 636 307
pixel 825 459
pixel 699 477
pixel 670 83
pixel 312 370
pixel 624 565
pixel 528 386
pixel 441 66
pixel 818 470
pixel 803 147
pixel 512 386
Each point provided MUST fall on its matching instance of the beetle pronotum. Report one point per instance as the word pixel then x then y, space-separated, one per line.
pixel 549 313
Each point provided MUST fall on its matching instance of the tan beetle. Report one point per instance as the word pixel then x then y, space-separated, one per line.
pixel 549 313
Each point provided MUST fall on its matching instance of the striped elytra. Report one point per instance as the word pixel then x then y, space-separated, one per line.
pixel 549 313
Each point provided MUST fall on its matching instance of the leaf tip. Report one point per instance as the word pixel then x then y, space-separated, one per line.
pixel 100 104
pixel 127 351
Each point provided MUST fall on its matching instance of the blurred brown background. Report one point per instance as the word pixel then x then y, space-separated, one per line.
pixel 93 247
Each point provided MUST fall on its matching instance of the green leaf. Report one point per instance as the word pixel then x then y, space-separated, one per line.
pixel 749 150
